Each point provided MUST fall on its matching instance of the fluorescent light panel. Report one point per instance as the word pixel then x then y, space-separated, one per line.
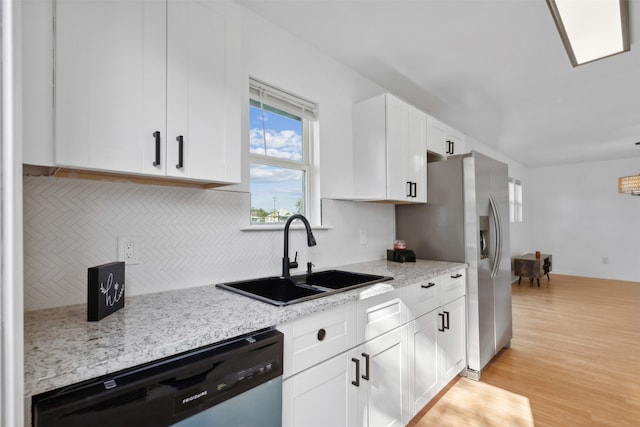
pixel 592 29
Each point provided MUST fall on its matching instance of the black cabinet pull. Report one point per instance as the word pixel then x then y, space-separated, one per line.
pixel 450 147
pixel 428 285
pixel 321 334
pixel 456 276
pixel 156 135
pixel 412 189
pixel 453 146
pixel 366 366
pixel 180 151
pixel 446 314
pixel 441 318
pixel 357 381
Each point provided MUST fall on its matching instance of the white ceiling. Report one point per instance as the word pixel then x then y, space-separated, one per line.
pixel 495 69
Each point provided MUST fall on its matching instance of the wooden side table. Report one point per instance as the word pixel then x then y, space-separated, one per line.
pixel 532 267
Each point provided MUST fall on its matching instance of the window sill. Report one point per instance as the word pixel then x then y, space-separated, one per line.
pixel 280 227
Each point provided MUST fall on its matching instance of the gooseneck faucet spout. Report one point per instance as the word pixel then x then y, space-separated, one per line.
pixel 311 241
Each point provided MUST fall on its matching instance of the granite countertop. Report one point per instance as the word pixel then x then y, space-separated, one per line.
pixel 62 347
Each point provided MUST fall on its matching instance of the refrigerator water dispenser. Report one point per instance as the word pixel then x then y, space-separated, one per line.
pixel 484 237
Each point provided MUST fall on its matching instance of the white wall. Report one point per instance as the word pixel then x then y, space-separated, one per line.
pixel 578 216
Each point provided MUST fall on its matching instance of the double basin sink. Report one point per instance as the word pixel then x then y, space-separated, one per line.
pixel 290 290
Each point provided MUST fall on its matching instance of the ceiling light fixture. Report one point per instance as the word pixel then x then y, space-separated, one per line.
pixel 591 30
pixel 629 184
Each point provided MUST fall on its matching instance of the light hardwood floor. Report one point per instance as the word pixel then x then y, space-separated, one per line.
pixel 574 361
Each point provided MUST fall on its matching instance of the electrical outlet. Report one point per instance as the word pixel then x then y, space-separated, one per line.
pixel 363 237
pixel 128 250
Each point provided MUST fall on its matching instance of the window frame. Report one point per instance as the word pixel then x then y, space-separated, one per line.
pixel 515 200
pixel 268 95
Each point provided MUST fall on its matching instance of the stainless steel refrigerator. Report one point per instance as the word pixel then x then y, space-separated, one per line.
pixel 466 219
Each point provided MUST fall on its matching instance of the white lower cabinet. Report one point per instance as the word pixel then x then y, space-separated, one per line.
pixel 437 352
pixel 360 387
pixel 377 362
pixel 452 340
pixel 383 380
pixel 322 395
pixel 424 375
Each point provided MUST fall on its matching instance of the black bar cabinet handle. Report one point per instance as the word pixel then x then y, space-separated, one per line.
pixel 428 285
pixel 357 381
pixel 449 147
pixel 446 314
pixel 453 147
pixel 156 135
pixel 180 151
pixel 456 276
pixel 366 366
pixel 409 187
pixel 442 318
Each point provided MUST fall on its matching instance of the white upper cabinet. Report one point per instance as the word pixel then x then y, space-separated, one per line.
pixel 443 139
pixel 204 90
pixel 389 151
pixel 148 87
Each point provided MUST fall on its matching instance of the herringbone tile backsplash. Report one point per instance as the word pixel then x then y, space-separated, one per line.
pixel 185 237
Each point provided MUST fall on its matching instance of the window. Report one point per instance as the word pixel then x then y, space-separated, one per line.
pixel 515 200
pixel 281 160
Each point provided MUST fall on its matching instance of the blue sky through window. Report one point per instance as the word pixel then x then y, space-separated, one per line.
pixel 276 134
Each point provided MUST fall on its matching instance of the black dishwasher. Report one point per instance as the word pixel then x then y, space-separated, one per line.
pixel 234 383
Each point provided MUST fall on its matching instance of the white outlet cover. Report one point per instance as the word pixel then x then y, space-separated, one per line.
pixel 123 255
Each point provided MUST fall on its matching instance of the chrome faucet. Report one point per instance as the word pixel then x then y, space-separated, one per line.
pixel 311 241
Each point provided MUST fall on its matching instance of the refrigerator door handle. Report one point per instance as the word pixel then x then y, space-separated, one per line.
pixel 498 223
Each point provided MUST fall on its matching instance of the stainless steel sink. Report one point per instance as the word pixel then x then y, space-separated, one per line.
pixel 290 290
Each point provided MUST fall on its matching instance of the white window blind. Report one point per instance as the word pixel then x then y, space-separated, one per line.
pixel 279 98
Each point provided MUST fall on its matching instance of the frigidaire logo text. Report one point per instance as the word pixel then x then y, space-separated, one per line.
pixel 194 397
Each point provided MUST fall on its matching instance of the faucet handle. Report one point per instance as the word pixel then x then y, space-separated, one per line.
pixel 294 263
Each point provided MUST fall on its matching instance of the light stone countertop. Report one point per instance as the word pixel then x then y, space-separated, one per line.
pixel 62 347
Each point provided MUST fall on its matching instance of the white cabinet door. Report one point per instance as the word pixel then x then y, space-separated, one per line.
pixel 416 160
pixel 385 382
pixel 322 395
pixel 456 142
pixel 424 297
pixel 436 136
pixel 110 84
pixel 443 139
pixel 452 340
pixel 423 358
pixel 380 314
pixel 453 286
pixel 203 88
pixel 318 337
pixel 397 149
pixel 389 143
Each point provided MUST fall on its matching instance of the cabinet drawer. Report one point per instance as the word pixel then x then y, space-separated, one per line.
pixel 381 313
pixel 312 339
pixel 424 297
pixel 454 285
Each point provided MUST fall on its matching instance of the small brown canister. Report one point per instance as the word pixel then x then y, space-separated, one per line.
pixel 537 254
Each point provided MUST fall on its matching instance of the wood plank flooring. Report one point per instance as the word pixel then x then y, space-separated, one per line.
pixel 574 361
